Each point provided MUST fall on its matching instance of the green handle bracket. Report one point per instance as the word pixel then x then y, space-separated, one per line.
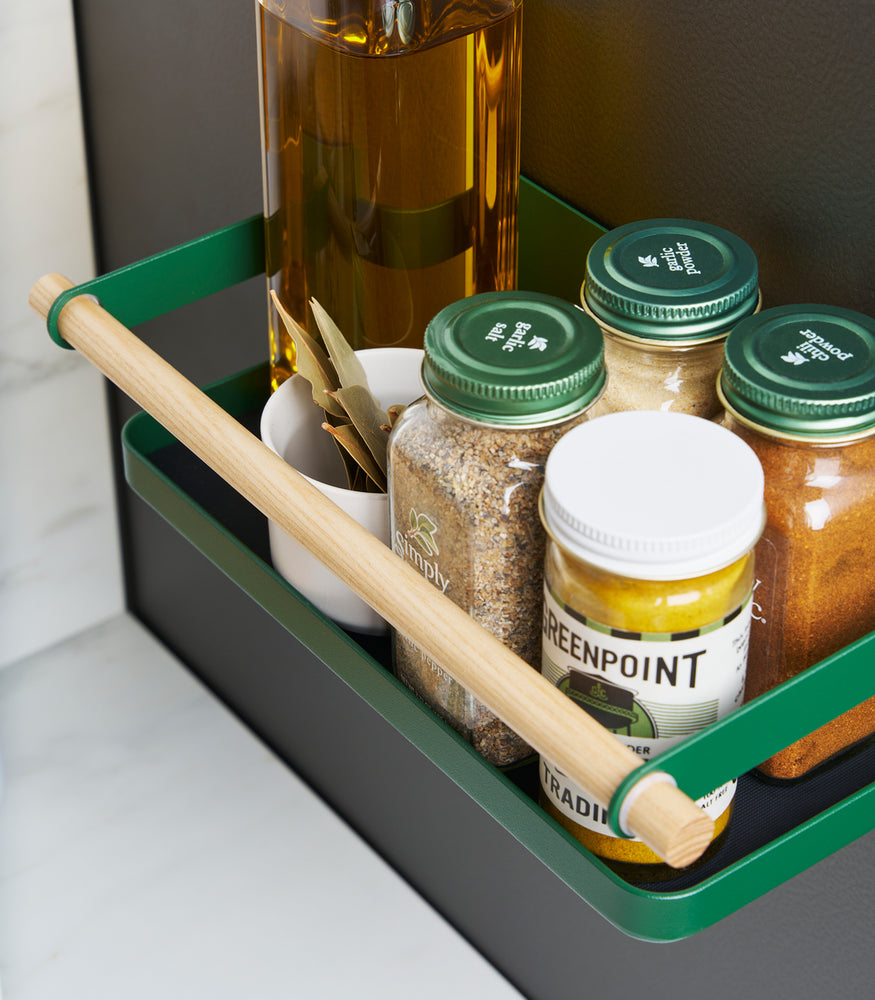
pixel 762 727
pixel 173 278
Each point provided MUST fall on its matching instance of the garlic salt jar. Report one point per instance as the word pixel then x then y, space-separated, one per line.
pixel 652 518
pixel 506 374
pixel 798 383
pixel 666 292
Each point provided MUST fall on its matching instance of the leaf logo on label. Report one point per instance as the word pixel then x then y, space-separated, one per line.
pixel 648 261
pixel 423 529
pixel 794 358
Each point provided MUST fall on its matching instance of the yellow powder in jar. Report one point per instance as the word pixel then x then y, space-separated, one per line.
pixel 652 518
pixel 664 606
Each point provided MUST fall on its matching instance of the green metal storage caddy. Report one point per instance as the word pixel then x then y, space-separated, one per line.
pixel 777 830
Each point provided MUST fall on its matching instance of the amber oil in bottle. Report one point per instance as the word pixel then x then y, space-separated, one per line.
pixel 390 145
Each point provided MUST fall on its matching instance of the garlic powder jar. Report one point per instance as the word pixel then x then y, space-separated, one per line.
pixel 666 293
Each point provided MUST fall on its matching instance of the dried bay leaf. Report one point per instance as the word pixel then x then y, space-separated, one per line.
pixel 355 478
pixel 353 417
pixel 347 436
pixel 393 413
pixel 348 367
pixel 368 419
pixel 312 362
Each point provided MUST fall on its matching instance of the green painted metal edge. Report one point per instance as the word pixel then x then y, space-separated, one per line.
pixel 554 261
pixel 766 725
pixel 173 278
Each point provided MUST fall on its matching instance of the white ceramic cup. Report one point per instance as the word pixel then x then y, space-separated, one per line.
pixel 291 427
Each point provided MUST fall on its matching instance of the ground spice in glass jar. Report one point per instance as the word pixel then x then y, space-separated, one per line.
pixel 799 387
pixel 506 375
pixel 666 293
pixel 652 518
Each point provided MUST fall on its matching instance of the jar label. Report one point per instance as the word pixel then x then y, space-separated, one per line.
pixel 650 689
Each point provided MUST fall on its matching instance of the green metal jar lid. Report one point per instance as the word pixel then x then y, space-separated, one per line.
pixel 671 279
pixel 805 370
pixel 513 358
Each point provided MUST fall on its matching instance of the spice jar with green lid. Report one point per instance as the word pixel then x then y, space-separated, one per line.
pixel 652 518
pixel 506 374
pixel 798 383
pixel 666 292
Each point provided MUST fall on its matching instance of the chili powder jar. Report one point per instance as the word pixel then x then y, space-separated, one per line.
pixel 506 374
pixel 798 384
pixel 666 293
pixel 652 518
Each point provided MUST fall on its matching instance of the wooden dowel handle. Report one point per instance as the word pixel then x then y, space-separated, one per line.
pixel 661 816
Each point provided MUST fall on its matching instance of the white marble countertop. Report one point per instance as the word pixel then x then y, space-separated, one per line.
pixel 151 846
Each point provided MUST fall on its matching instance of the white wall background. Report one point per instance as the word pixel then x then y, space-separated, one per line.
pixel 60 569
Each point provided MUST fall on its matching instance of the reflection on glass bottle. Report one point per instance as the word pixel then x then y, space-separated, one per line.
pixel 391 161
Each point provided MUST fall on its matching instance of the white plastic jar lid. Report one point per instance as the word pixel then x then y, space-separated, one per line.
pixel 654 495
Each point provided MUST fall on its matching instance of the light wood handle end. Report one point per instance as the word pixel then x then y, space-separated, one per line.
pixel 45 291
pixel 671 823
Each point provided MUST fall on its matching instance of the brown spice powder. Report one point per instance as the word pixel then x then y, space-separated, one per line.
pixel 815 569
pixel 659 376
pixel 478 486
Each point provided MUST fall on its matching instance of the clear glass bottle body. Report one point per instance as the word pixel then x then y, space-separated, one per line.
pixel 464 512
pixel 575 590
pixel 815 577
pixel 390 150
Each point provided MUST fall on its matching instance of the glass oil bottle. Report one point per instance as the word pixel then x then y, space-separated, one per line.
pixel 390 154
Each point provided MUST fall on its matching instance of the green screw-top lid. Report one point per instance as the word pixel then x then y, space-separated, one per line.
pixel 805 370
pixel 671 279
pixel 513 358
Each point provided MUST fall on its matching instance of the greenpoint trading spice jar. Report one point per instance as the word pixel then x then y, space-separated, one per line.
pixel 666 293
pixel 652 518
pixel 798 383
pixel 505 375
